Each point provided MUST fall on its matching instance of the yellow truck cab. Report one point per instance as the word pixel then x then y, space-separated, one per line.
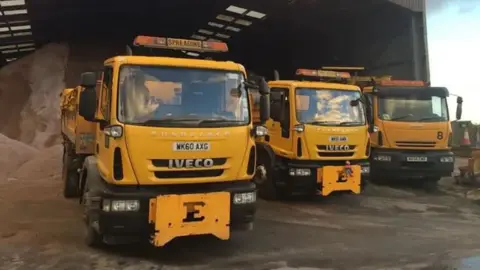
pixel 172 150
pixel 317 138
pixel 412 133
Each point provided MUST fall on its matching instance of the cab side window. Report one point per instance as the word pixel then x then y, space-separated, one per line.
pixel 106 93
pixel 280 109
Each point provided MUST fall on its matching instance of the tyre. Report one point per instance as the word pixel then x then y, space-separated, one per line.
pixel 267 188
pixel 70 178
pixel 430 184
pixel 92 237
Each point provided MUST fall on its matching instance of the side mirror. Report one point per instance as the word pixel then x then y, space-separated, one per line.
pixel 264 108
pixel 459 108
pixel 88 80
pixel 88 104
pixel 263 88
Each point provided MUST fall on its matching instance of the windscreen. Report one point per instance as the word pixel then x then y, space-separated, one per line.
pixel 328 107
pixel 413 108
pixel 185 97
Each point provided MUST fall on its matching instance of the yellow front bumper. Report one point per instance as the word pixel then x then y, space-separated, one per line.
pixel 335 178
pixel 190 214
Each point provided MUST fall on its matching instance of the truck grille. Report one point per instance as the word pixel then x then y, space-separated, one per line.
pixel 185 173
pixel 188 174
pixel 415 144
pixel 323 151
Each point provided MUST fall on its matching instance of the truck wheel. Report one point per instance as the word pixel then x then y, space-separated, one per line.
pixel 430 184
pixel 70 178
pixel 267 189
pixel 92 237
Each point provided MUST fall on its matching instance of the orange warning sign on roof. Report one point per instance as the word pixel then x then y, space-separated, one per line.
pixel 180 44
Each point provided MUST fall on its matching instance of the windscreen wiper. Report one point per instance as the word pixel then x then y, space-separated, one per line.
pixel 350 123
pixel 168 121
pixel 329 123
pixel 220 121
pixel 401 117
pixel 432 118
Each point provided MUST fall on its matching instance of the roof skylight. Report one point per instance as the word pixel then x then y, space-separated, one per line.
pixel 214 24
pixel 256 14
pixel 225 18
pixel 222 35
pixel 236 9
pixel 15 12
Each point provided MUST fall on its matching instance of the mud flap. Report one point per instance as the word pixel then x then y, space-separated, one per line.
pixel 339 178
pixel 190 214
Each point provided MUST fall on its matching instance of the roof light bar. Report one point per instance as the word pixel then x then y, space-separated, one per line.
pixel 180 44
pixel 344 68
pixel 323 73
pixel 401 83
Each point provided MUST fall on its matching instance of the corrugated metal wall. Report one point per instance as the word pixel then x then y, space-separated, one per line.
pixel 415 5
pixel 393 42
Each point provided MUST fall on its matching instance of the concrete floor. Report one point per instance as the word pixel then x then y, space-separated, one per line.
pixel 384 228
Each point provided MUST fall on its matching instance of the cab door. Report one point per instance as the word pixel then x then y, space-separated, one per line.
pixel 103 148
pixel 280 132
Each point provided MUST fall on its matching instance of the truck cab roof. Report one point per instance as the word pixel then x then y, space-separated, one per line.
pixel 176 62
pixel 312 84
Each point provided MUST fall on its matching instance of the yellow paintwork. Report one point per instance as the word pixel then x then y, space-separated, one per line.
pixel 139 145
pixel 318 135
pixel 396 131
pixel 474 162
pixel 314 135
pixel 167 213
pixel 328 176
pixel 74 127
pixel 150 143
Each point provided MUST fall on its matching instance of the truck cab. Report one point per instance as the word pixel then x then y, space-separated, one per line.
pixel 318 141
pixel 174 145
pixel 412 133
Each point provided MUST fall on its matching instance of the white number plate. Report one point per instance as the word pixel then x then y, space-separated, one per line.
pixel 191 146
pixel 417 159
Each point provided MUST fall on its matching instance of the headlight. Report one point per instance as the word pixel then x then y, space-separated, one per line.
pixel 447 159
pixel 382 158
pixel 120 205
pixel 261 131
pixel 113 131
pixel 365 169
pixel 244 198
pixel 299 172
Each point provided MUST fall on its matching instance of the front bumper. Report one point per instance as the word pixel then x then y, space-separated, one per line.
pixel 136 224
pixel 309 183
pixel 400 164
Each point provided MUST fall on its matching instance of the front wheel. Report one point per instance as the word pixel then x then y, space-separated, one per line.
pixel 264 179
pixel 92 237
pixel 430 184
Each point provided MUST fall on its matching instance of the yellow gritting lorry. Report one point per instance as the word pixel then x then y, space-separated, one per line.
pixel 164 147
pixel 412 135
pixel 318 138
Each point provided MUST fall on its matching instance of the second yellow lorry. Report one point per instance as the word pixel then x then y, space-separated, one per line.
pixel 318 140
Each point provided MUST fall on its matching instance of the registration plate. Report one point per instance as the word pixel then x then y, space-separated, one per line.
pixel 417 159
pixel 191 146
